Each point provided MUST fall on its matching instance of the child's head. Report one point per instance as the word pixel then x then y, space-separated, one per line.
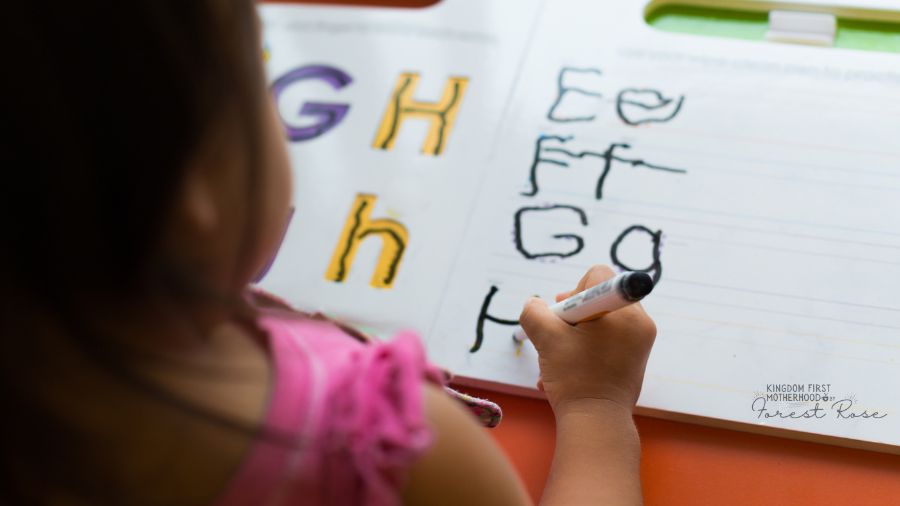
pixel 143 169
pixel 146 151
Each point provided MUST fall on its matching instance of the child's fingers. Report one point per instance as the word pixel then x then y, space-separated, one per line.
pixel 594 276
pixel 539 323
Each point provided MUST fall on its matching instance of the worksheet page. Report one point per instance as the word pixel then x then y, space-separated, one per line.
pixel 759 184
pixel 391 115
pixel 452 161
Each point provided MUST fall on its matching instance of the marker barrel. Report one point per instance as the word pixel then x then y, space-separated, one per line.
pixel 616 293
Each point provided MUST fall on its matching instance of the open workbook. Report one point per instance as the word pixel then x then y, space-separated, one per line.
pixel 453 160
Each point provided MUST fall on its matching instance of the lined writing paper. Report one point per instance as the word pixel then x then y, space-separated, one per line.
pixel 758 183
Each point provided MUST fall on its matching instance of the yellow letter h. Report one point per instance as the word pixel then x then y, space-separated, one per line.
pixel 358 226
pixel 402 106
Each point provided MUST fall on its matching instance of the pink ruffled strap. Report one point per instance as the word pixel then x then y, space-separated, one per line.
pixel 377 420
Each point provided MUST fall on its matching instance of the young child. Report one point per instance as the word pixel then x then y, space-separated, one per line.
pixel 145 183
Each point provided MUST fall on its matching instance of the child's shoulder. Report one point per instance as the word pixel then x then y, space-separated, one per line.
pixel 354 405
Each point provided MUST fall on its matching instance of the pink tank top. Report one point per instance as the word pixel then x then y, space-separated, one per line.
pixel 354 409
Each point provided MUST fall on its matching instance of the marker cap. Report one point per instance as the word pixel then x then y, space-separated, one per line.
pixel 636 285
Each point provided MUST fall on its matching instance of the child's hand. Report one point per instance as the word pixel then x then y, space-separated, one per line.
pixel 603 359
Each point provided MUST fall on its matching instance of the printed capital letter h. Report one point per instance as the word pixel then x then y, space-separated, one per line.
pixel 402 106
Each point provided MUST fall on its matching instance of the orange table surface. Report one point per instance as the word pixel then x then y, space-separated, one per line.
pixel 685 464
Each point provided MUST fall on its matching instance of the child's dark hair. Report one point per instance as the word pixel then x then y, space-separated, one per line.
pixel 104 103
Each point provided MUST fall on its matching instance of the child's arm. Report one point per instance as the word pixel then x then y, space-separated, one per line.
pixel 592 374
pixel 465 465
pixel 597 458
